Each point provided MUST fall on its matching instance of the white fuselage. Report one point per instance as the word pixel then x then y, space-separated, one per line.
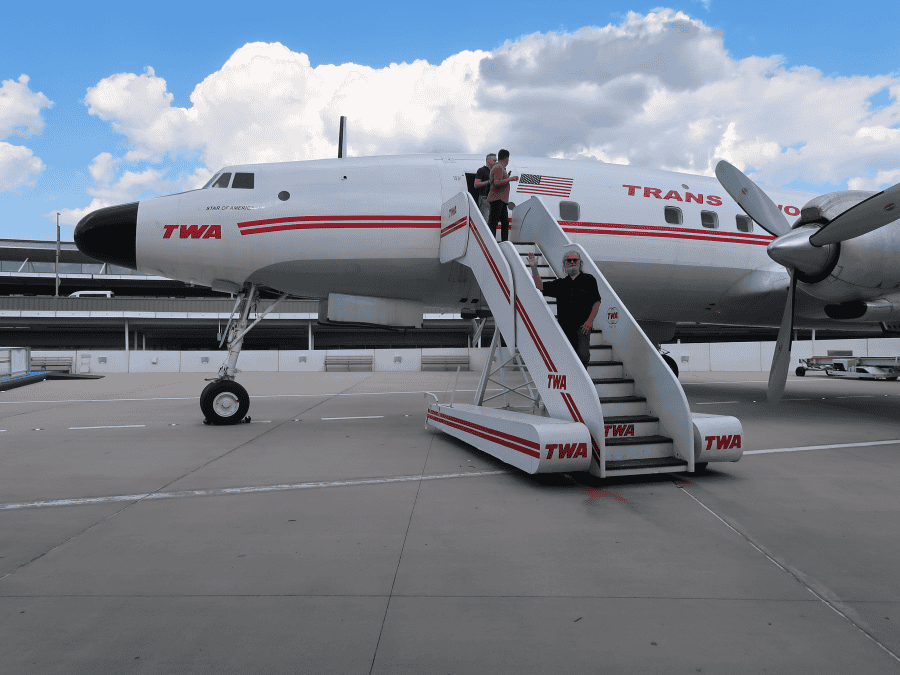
pixel 371 226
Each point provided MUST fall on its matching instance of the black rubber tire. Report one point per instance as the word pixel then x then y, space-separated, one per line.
pixel 700 467
pixel 215 413
pixel 671 363
pixel 801 371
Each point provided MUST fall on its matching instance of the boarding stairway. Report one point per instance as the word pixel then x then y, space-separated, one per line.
pixel 624 414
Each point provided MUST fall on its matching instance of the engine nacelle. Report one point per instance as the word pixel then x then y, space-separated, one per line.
pixel 850 275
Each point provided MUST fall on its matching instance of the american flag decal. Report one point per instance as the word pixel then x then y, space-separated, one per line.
pixel 554 186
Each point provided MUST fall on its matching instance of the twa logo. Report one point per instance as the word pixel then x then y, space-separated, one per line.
pixel 556 381
pixel 620 429
pixel 567 450
pixel 452 210
pixel 195 231
pixel 612 315
pixel 723 442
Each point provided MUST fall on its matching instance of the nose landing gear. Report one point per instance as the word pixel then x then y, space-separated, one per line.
pixel 224 401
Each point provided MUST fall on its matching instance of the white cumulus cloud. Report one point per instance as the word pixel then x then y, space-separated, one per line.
pixel 18 166
pixel 20 115
pixel 658 90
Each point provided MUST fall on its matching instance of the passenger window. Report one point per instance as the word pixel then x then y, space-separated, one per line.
pixel 673 215
pixel 222 181
pixel 243 180
pixel 569 211
pixel 744 223
pixel 709 219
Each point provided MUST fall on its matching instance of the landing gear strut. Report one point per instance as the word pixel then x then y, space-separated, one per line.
pixel 224 401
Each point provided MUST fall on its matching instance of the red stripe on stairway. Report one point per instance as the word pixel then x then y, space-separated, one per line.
pixel 490 260
pixel 535 337
pixel 487 433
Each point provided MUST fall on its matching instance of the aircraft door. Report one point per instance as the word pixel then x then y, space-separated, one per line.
pixel 332 212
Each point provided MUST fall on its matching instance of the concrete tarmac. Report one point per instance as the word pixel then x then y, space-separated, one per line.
pixel 335 534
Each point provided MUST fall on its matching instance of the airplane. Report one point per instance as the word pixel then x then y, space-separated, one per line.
pixel 364 234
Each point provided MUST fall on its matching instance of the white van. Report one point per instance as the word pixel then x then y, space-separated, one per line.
pixel 91 294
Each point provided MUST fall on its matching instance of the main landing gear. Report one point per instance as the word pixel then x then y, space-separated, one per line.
pixel 224 401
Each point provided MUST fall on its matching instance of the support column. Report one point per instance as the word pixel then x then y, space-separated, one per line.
pixel 310 334
pixel 127 336
pixel 813 342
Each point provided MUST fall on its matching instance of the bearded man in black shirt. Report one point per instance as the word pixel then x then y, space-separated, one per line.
pixel 577 301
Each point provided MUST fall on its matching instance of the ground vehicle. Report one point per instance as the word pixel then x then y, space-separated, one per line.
pixel 91 294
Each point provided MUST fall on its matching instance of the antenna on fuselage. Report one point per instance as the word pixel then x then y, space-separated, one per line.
pixel 342 138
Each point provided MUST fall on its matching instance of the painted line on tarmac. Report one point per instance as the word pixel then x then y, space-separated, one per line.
pixel 117 426
pixel 197 398
pixel 821 447
pixel 361 417
pixel 253 489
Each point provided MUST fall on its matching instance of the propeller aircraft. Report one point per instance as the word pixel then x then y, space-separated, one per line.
pixel 363 235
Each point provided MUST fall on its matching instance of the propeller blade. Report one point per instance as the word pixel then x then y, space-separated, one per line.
pixel 752 199
pixel 870 214
pixel 781 360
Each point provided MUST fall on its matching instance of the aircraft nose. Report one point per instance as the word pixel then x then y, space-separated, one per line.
pixel 109 235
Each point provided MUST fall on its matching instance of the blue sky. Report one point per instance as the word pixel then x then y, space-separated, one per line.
pixel 66 49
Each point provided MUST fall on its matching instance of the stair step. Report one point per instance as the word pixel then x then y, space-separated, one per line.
pixel 622 399
pixel 613 386
pixel 629 419
pixel 637 440
pixel 623 405
pixel 653 462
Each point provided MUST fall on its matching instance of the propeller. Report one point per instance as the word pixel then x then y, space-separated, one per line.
pixel 803 251
pixel 877 211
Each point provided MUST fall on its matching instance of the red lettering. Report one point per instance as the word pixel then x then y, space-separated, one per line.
pixel 214 232
pixel 779 207
pixel 581 451
pixel 631 189
pixel 566 450
pixel 555 381
pixel 192 231
pixel 736 442
pixel 607 427
pixel 673 194
pixel 169 230
pixel 792 210
pixel 550 448
pixel 652 191
pixel 709 441
pixel 722 442
pixel 712 200
pixel 691 197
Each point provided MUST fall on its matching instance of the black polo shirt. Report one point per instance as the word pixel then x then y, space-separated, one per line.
pixel 483 173
pixel 575 298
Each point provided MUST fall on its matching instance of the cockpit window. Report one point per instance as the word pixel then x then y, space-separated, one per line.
pixel 211 180
pixel 222 181
pixel 243 180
